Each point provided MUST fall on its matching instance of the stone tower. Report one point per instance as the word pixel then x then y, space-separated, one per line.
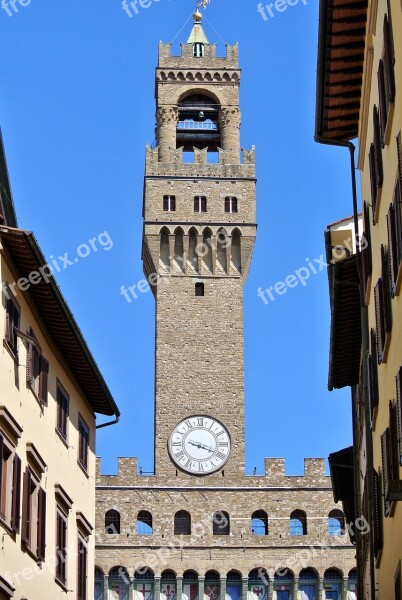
pixel 199 528
pixel 199 231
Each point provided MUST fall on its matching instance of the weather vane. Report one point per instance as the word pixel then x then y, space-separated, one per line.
pixel 203 3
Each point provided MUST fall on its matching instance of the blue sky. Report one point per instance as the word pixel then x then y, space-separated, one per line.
pixel 77 109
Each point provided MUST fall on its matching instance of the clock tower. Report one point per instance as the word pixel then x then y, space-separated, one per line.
pixel 199 527
pixel 199 232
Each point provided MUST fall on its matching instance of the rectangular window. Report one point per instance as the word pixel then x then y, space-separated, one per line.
pixel 83 446
pixel 200 204
pixel 372 371
pixel 37 372
pixel 231 205
pixel 61 546
pixel 367 263
pixel 169 203
pixel 398 590
pixel 12 323
pixel 394 226
pixel 378 530
pixel 62 411
pixel 399 411
pixel 82 569
pixel 10 485
pixel 199 289
pixel 34 516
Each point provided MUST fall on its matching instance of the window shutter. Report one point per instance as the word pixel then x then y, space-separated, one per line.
pixel 382 100
pixel 61 543
pixel 82 571
pixel 373 181
pixel 392 246
pixel 373 373
pixel 377 148
pixel 385 470
pixel 399 147
pixel 26 508
pixel 16 495
pixel 43 380
pixel 394 446
pixel 386 289
pixel 30 365
pixel 9 325
pixel 41 525
pixel 389 62
pixel 379 318
pixel 1 464
pixel 399 411
pixel 378 533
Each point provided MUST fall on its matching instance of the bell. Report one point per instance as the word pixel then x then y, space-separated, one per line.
pixel 201 116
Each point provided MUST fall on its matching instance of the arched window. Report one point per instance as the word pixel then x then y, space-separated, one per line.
pixel 333 583
pixel 298 523
pixel 99 583
pixel 221 523
pixel 179 250
pixel 168 585
pixel 283 584
pixel 336 523
pixel 144 574
pixel 190 585
pixel 258 580
pixel 182 523
pixel 212 585
pixel 221 254
pixel 119 583
pixel 236 250
pixel 144 523
pixel 352 584
pixel 164 249
pixel 192 249
pixel 308 584
pixel 207 249
pixel 112 521
pixel 233 585
pixel 144 584
pixel 259 523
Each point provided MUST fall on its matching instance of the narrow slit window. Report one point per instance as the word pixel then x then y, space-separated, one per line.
pixel 198 50
pixel 199 289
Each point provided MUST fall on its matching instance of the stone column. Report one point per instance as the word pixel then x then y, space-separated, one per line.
pixel 229 120
pixel 131 589
pixel 179 588
pixel 271 590
pixel 166 123
pixel 157 588
pixel 244 588
pixel 105 587
pixel 201 585
pixel 345 587
pixel 200 244
pixel 223 589
pixel 296 587
pixel 321 588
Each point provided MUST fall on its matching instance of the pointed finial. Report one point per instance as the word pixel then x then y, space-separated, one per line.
pixel 202 3
pixel 197 16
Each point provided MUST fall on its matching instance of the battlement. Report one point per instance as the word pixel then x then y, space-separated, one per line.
pixel 187 60
pixel 175 167
pixel 128 475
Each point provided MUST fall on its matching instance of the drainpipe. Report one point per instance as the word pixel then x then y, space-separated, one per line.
pixel 116 420
pixel 365 350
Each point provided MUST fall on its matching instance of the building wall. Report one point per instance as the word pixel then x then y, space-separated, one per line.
pixel 389 560
pixel 38 425
pixel 279 495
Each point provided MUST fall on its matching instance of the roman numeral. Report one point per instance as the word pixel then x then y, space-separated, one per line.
pixel 200 422
pixel 220 455
pixel 224 444
pixel 219 432
pixel 188 464
pixel 178 444
pixel 201 468
pixel 188 424
pixel 179 455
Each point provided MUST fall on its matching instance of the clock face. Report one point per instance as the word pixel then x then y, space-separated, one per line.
pixel 199 445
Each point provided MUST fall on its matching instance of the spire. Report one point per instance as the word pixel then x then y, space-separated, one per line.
pixel 197 35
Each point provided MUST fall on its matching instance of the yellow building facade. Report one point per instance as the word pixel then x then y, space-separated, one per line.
pixel 50 391
pixel 359 97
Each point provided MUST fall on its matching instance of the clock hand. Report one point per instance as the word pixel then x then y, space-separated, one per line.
pixel 201 445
